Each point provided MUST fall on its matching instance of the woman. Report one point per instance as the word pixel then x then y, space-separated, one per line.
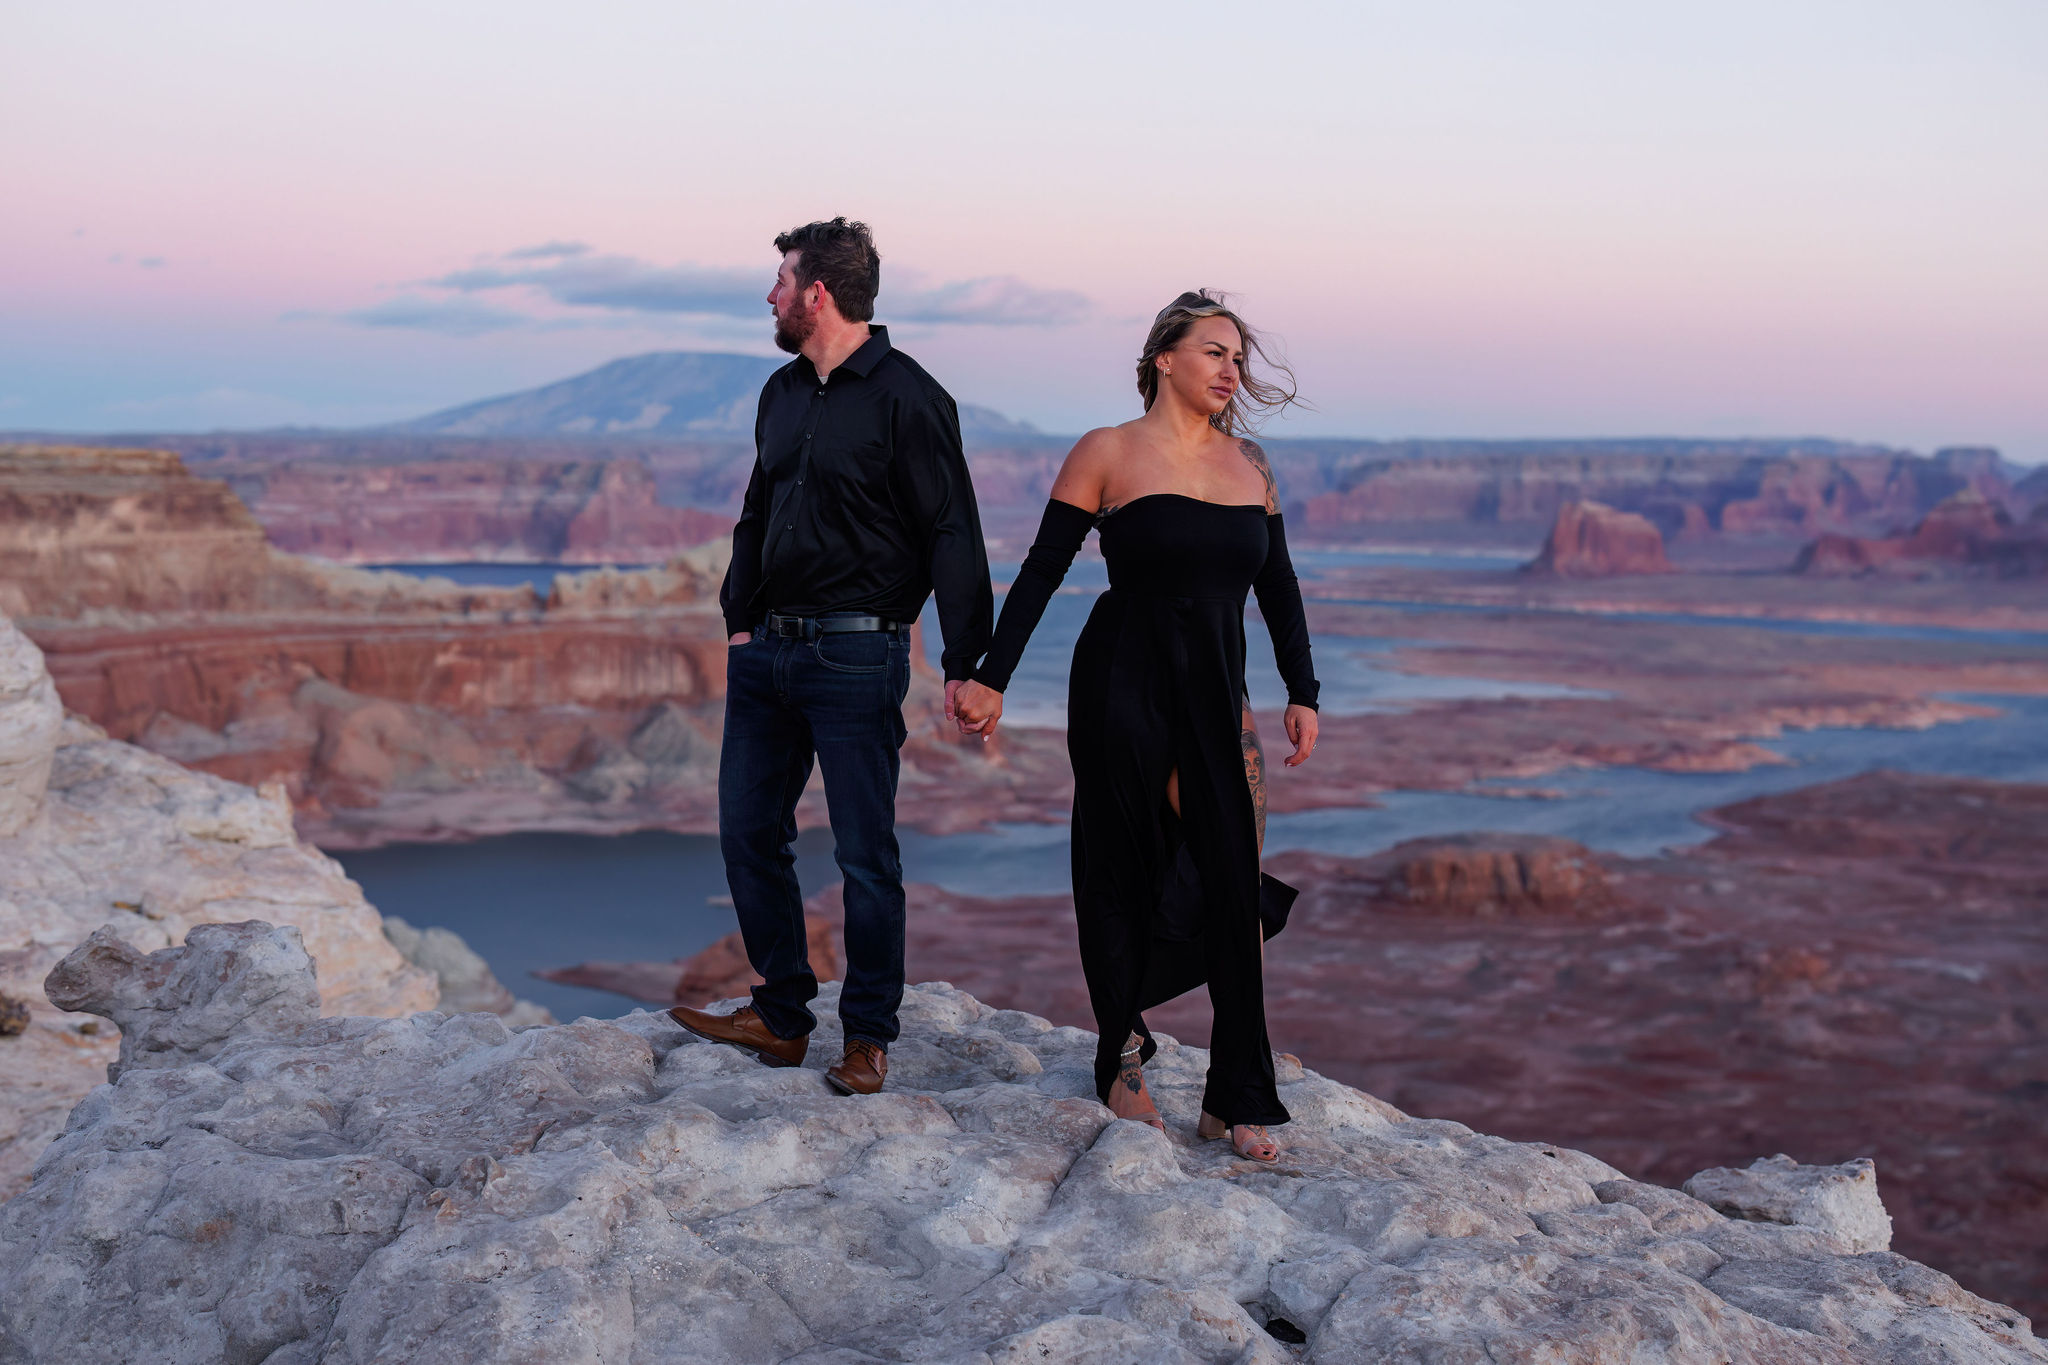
pixel 1167 826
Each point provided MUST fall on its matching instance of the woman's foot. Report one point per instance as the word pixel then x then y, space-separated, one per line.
pixel 1248 1140
pixel 1128 1098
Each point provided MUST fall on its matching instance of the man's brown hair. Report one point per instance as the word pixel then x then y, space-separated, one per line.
pixel 841 256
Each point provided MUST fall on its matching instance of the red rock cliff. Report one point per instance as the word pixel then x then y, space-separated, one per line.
pixel 1964 535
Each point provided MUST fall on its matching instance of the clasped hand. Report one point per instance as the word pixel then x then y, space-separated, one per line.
pixel 974 707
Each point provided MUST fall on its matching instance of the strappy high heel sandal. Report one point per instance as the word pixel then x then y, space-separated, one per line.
pixel 1129 1087
pixel 1255 1144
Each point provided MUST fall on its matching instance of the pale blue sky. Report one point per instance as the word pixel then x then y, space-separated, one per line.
pixel 1461 218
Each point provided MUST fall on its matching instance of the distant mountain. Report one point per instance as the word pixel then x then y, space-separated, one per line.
pixel 680 393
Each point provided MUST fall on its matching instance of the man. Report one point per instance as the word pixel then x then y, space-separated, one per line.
pixel 858 509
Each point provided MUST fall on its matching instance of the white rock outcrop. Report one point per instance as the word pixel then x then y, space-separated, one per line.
pixel 30 716
pixel 441 1189
pixel 95 833
pixel 467 982
pixel 1838 1201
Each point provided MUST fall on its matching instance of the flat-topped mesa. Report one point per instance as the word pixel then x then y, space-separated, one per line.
pixel 284 1187
pixel 1592 540
pixel 1966 535
pixel 89 534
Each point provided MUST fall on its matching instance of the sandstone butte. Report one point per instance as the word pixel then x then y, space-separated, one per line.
pixel 392 707
pixel 1965 535
pixel 1593 540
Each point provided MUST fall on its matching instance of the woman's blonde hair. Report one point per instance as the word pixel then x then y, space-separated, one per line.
pixel 1255 397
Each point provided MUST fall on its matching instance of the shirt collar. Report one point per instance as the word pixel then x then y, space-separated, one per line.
pixel 869 353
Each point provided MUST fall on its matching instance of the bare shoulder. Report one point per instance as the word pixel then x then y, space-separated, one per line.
pixel 1255 454
pixel 1081 477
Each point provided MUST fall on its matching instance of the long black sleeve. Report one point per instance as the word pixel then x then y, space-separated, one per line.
pixel 1060 534
pixel 1279 594
pixel 743 574
pixel 937 497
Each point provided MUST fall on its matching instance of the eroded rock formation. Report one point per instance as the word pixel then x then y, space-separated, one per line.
pixel 1592 540
pixel 1966 534
pixel 438 1188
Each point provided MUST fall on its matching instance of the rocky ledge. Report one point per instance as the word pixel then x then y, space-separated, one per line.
pixel 263 1184
pixel 100 835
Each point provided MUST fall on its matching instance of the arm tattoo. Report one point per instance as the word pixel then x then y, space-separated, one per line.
pixel 1255 774
pixel 1253 453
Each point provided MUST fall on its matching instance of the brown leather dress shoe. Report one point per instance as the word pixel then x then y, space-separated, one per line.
pixel 744 1030
pixel 862 1070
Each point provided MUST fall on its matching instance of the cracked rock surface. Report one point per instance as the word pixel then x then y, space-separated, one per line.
pixel 441 1189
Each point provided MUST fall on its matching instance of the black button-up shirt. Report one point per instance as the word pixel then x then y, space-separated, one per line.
pixel 860 501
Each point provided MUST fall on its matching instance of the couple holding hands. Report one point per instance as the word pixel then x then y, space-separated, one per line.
pixel 859 508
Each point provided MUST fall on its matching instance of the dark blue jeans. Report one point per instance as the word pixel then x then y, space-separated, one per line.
pixel 838 698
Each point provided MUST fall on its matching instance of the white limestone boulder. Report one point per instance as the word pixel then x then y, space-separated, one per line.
pixel 442 1189
pixel 1840 1201
pixel 30 716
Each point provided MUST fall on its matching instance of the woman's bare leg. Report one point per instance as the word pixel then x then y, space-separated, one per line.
pixel 1128 1098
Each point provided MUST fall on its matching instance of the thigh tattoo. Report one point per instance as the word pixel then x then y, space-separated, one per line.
pixel 1255 774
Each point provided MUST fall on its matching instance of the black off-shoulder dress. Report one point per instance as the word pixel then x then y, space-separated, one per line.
pixel 1166 903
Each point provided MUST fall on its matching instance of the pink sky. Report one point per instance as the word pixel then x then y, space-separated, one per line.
pixel 1462 219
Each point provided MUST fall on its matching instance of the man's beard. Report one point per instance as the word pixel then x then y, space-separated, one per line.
pixel 792 332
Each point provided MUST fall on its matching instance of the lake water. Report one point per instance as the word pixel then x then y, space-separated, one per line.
pixel 532 901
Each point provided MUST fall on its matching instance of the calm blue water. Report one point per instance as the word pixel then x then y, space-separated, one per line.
pixel 543 900
pixel 1875 630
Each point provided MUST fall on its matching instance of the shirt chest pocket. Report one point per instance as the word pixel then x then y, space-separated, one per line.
pixel 857 470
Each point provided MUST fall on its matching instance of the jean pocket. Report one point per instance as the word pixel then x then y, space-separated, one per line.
pixel 854 651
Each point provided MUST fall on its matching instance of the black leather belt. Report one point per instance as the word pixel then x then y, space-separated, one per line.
pixel 809 627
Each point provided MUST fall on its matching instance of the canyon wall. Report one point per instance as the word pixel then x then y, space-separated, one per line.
pixel 1690 492
pixel 372 496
